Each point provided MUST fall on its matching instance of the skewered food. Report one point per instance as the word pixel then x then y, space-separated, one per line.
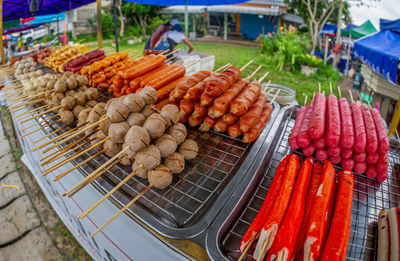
pixel 155 125
pixel 150 157
pixel 175 162
pixel 137 137
pixel 112 148
pixel 67 116
pixel 189 149
pixel 136 118
pixel 149 95
pixel 160 177
pixel 170 114
pixel 134 102
pixel 117 131
pixel 178 132
pixel 117 112
pixel 166 144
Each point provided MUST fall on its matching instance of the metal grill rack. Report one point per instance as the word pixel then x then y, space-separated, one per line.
pixel 187 207
pixel 369 198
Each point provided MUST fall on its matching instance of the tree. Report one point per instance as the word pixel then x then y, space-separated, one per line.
pixel 140 14
pixel 121 17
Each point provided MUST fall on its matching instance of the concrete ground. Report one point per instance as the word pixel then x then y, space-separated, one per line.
pixel 29 227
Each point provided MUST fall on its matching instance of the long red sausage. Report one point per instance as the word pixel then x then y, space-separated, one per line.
pixel 296 128
pixel 372 139
pixel 382 168
pixel 383 140
pixel 303 138
pixel 223 81
pixel 316 126
pixel 347 130
pixel 360 138
pixel 245 98
pixel 332 121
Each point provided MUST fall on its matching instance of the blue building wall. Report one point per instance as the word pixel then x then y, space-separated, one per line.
pixel 251 25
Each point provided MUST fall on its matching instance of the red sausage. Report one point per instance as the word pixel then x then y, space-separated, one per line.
pixel 372 139
pixel 316 127
pixel 320 143
pixel 383 141
pixel 360 156
pixel 347 133
pixel 332 121
pixel 346 154
pixel 303 139
pixel 348 163
pixel 308 151
pixel 382 168
pixel 372 158
pixel 321 154
pixel 371 171
pixel 296 128
pixel 360 138
pixel 335 159
pixel 334 151
pixel 360 167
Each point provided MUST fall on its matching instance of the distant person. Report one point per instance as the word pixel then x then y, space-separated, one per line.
pixel 357 80
pixel 20 43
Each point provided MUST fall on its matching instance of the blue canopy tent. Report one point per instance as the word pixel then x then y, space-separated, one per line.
pixel 381 51
pixel 329 29
pixel 389 24
pixel 42 19
pixel 349 27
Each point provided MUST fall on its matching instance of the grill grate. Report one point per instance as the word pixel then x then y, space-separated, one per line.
pixel 368 199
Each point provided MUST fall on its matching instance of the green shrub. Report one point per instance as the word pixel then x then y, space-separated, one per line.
pixel 311 61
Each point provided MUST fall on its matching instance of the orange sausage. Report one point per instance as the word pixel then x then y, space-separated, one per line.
pixel 160 70
pixel 245 99
pixel 255 131
pixel 181 88
pixel 250 118
pixel 194 121
pixel 144 67
pixel 229 118
pixel 185 108
pixel 164 102
pixel 208 123
pixel 136 83
pixel 220 126
pixel 199 111
pixel 167 89
pixel 234 130
pixel 166 78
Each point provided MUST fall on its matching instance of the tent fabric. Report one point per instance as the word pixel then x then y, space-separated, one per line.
pixel 329 28
pixel 187 2
pixel 349 27
pixel 365 29
pixel 389 24
pixel 42 19
pixel 381 52
pixel 15 9
pixel 20 28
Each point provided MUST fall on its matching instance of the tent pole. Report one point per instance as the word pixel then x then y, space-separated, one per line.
pixel 115 24
pixel 3 60
pixel 326 49
pixel 225 26
pixel 186 19
pixel 58 29
pixel 99 26
pixel 348 58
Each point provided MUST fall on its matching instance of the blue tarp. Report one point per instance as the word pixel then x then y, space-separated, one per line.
pixel 19 28
pixel 381 51
pixel 349 27
pixel 42 19
pixel 389 24
pixel 329 28
pixel 187 2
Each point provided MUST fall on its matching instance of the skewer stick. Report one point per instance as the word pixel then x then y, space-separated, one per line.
pixel 55 138
pixel 43 108
pixel 33 110
pixel 87 178
pixel 164 52
pixel 65 161
pixel 59 151
pixel 264 249
pixel 397 135
pixel 305 100
pixel 44 126
pixel 133 173
pixel 276 95
pixel 330 87
pixel 340 92
pixel 27 103
pixel 223 67
pixel 40 114
pixel 247 64
pixel 122 210
pixel 80 164
pixel 280 256
pixel 178 61
pixel 27 97
pixel 247 247
pixel 174 51
pixel 76 134
pixel 253 73
pixel 39 122
pixel 263 77
pixel 51 133
pixel 172 57
pixel 369 104
pixel 351 96
pixel 192 63
pixel 319 87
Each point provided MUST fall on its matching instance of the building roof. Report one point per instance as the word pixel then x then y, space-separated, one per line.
pixel 267 2
pixel 293 18
pixel 232 9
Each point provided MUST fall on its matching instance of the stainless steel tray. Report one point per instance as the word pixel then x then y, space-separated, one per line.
pixel 224 235
pixel 187 207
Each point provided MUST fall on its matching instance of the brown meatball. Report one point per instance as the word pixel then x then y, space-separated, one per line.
pixel 68 103
pixel 91 93
pixel 189 149
pixel 95 114
pixel 150 157
pixel 117 131
pixel 166 144
pixel 56 98
pixel 170 113
pixel 91 103
pixel 60 86
pixel 148 110
pixel 71 93
pixel 134 102
pixel 80 98
pixel 67 116
pixel 77 109
pixel 105 125
pixel 175 162
pixel 82 80
pixel 50 84
pixel 90 131
pixel 72 83
pixel 100 105
pixel 131 153
pixel 155 125
pixel 160 177
pixel 112 101
pixel 137 138
pixel 112 148
pixel 117 112
pixel 82 117
pixel 149 95
pixel 125 160
pixel 140 172
pixel 178 132
pixel 136 118
pixel 100 135
pixel 68 74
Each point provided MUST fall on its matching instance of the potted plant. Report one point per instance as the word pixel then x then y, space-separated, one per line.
pixel 309 64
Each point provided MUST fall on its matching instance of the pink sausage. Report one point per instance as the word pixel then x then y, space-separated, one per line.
pixel 347 131
pixel 320 143
pixel 346 153
pixel 360 138
pixel 296 128
pixel 316 127
pixel 303 139
pixel 332 121
pixel 335 159
pixel 371 171
pixel 360 167
pixel 348 164
pixel 372 158
pixel 372 139
pixel 360 157
pixel 383 140
pixel 334 151
pixel 308 151
pixel 382 167
pixel 321 154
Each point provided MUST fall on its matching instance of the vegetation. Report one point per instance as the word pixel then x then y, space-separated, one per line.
pixel 311 61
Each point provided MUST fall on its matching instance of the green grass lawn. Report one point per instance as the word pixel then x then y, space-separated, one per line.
pixel 240 55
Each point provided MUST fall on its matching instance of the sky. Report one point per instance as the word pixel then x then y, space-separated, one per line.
pixel 388 9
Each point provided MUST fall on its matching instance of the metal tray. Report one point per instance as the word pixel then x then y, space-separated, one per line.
pixel 187 207
pixel 224 235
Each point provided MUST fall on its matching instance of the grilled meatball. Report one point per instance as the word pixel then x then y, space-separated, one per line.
pixel 166 144
pixel 77 109
pixel 137 138
pixel 189 149
pixel 91 93
pixel 50 84
pixel 105 125
pixel 131 153
pixel 175 162
pixel 112 148
pixel 134 102
pixel 91 103
pixel 82 117
pixel 60 86
pixel 68 103
pixel 125 160
pixel 155 125
pixel 150 157
pixel 148 110
pixel 72 83
pixel 100 105
pixel 149 95
pixel 140 172
pixel 56 98
pixel 170 113
pixel 67 116
pixel 117 112
pixel 117 131
pixel 82 80
pixel 95 114
pixel 100 135
pixel 178 132
pixel 160 177
pixel 68 74
pixel 70 93
pixel 80 98
pixel 136 118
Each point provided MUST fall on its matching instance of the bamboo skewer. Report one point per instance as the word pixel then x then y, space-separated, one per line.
pixel 46 107
pixel 276 95
pixel 27 103
pixel 80 164
pixel 27 97
pixel 264 248
pixel 340 92
pixel 170 58
pixel 330 87
pixel 247 247
pixel 253 73
pixel 247 64
pixel 319 87
pixel 59 151
pixel 263 77
pixel 44 126
pixel 51 133
pixel 223 67
pixel 31 111
pixel 56 138
pixel 305 100
pixel 122 210
pixel 40 114
pixel 351 96
pixel 133 173
pixel 56 166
